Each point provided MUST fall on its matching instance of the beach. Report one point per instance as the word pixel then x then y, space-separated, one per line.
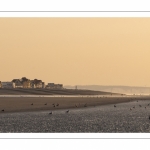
pixel 40 103
pixel 126 117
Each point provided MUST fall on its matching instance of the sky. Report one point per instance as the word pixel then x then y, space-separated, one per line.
pixel 76 51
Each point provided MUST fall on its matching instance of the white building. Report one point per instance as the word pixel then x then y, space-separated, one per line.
pixel 8 85
pixel 17 83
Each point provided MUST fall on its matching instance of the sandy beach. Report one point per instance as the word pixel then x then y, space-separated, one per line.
pixel 24 104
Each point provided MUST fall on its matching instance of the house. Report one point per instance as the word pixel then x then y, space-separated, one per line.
pixel 17 83
pixel 25 82
pixel 43 85
pixel 7 84
pixel 54 86
pixel 59 86
pixel 50 85
pixel 37 83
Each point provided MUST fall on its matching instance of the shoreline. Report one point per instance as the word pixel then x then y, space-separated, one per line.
pixel 23 104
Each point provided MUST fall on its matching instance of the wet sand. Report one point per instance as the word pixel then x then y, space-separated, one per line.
pixel 23 104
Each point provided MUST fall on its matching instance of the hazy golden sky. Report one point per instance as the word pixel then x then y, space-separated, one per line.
pixel 104 51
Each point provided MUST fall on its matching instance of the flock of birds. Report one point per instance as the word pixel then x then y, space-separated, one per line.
pixel 67 111
pixel 55 105
pixel 139 106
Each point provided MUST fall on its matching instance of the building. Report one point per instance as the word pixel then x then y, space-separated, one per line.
pixel 8 84
pixel 17 83
pixel 25 82
pixel 59 86
pixel 37 83
pixel 50 85
pixel 54 86
pixel 43 85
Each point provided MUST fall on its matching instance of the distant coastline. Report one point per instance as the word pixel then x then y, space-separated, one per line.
pixel 114 88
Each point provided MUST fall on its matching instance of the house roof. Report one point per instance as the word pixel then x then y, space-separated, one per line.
pixel 14 80
pixel 36 81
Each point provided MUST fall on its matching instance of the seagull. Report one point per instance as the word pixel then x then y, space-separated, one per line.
pixel 134 107
pixel 145 107
pixel 57 105
pixel 140 105
pixel 46 104
pixel 67 111
pixel 130 109
pixel 148 105
pixel 114 105
pixel 149 117
pixel 3 110
pixel 51 113
pixel 76 106
pixel 32 104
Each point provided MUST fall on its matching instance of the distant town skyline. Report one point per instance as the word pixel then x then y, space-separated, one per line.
pixel 76 51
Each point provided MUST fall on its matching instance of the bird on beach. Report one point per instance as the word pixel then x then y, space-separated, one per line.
pixel 114 105
pixel 32 104
pixel 145 107
pixel 140 105
pixel 3 110
pixel 67 111
pixel 76 105
pixel 148 105
pixel 57 105
pixel 149 117
pixel 45 104
pixel 134 107
pixel 51 113
pixel 137 101
pixel 130 109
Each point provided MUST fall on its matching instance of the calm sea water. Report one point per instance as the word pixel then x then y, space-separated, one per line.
pixel 97 119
